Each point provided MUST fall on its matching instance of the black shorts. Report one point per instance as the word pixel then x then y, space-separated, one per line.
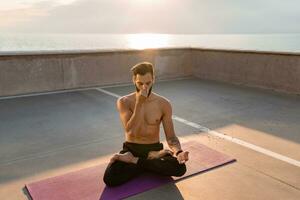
pixel 141 150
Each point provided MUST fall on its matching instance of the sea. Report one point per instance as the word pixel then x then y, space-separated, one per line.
pixel 14 43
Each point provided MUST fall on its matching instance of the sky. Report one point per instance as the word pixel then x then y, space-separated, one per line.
pixel 150 16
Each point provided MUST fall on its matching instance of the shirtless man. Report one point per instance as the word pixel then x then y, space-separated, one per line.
pixel 141 113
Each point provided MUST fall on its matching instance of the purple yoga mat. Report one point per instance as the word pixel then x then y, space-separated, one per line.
pixel 87 184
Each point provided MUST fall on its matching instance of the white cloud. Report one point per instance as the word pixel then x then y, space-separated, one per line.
pixel 162 16
pixel 17 4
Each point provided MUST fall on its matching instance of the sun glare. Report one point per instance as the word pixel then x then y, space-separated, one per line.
pixel 147 40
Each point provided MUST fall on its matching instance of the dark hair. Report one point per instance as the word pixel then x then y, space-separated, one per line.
pixel 143 68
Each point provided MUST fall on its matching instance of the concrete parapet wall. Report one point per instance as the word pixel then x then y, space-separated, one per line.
pixel 23 74
pixel 43 72
pixel 276 71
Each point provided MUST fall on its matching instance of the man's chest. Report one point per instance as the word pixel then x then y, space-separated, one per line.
pixel 151 112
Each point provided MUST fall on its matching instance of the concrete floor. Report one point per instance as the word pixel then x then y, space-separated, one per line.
pixel 51 134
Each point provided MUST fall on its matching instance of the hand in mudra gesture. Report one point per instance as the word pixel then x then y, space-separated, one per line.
pixel 182 157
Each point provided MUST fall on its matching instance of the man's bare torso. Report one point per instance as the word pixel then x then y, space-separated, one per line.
pixel 152 112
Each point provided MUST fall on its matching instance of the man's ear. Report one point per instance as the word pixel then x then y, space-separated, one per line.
pixel 153 81
pixel 133 79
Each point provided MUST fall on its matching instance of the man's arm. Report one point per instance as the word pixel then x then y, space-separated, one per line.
pixel 172 139
pixel 132 121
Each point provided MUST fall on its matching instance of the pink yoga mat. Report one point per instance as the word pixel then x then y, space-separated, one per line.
pixel 87 184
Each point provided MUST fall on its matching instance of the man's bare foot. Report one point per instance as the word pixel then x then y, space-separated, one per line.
pixel 126 157
pixel 159 154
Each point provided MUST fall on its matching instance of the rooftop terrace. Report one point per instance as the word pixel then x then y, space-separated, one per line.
pixel 58 114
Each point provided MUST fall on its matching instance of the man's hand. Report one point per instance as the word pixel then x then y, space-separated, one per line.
pixel 182 157
pixel 141 96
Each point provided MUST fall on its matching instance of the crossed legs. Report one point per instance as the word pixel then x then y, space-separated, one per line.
pixel 120 172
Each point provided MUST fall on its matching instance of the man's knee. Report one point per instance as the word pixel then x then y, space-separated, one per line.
pixel 110 181
pixel 176 168
pixel 180 171
pixel 118 173
pixel 109 177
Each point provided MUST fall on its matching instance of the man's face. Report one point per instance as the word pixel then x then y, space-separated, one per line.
pixel 143 82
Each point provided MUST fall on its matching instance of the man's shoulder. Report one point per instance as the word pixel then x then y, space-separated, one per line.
pixel 126 98
pixel 163 100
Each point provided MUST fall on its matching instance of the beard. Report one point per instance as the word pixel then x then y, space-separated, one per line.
pixel 138 90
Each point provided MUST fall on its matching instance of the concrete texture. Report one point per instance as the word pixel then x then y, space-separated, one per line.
pixel 23 74
pixel 48 135
pixel 280 72
pixel 52 71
